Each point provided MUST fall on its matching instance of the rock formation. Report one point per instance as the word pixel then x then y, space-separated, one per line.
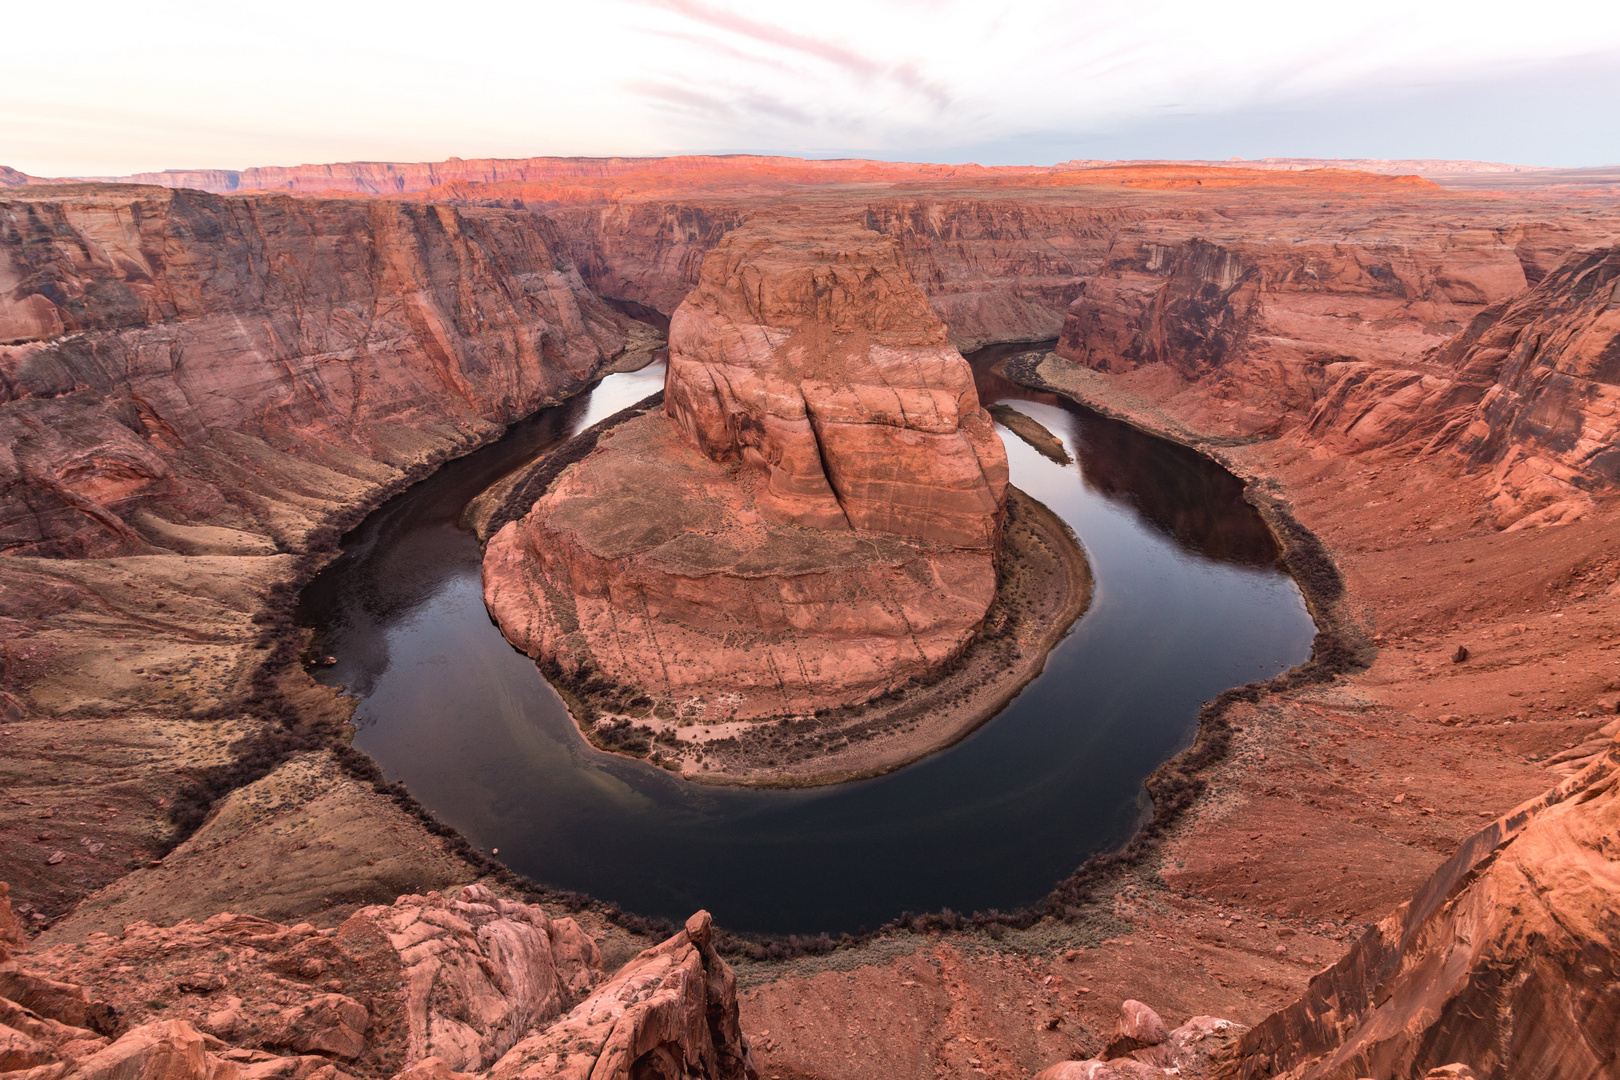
pixel 208 382
pixel 430 987
pixel 816 520
pixel 1505 961
pixel 204 375
pixel 1530 391
pixel 1143 1048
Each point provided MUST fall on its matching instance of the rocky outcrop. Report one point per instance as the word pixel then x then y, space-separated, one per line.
pixel 1505 961
pixel 430 988
pixel 1548 426
pixel 1529 391
pixel 1143 1048
pixel 815 522
pixel 670 1012
pixel 1263 319
pixel 204 375
pixel 810 354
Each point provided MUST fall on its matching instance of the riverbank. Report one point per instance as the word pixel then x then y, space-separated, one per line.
pixel 1330 804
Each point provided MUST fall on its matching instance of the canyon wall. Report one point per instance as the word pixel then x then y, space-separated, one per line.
pixel 185 372
pixel 1529 392
pixel 399 178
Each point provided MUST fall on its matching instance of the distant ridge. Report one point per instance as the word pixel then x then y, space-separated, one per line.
pixel 455 175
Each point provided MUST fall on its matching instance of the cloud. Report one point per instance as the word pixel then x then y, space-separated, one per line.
pixel 851 61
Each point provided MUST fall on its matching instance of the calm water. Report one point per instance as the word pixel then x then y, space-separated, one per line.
pixel 1189 601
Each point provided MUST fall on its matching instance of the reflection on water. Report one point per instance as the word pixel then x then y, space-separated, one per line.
pixel 1189 601
pixel 1173 487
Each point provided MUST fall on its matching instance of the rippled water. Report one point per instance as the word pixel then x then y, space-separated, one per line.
pixel 1189 601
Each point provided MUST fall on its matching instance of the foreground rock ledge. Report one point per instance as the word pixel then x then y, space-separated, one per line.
pixel 431 987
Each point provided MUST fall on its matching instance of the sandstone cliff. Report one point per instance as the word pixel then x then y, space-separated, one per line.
pixel 818 519
pixel 185 372
pixel 1504 961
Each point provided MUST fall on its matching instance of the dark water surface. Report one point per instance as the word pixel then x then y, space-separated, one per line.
pixel 1189 601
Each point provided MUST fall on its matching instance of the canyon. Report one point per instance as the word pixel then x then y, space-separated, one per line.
pixel 814 519
pixel 202 391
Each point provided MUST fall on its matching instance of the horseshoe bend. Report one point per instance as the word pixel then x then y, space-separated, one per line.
pixel 1262 517
pixel 814 519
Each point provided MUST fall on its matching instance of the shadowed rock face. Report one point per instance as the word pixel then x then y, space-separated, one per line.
pixel 816 520
pixel 1530 390
pixel 199 374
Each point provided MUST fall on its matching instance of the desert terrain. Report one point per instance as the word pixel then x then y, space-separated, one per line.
pixel 1354 862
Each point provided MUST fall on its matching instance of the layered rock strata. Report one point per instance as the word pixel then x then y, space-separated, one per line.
pixel 1530 391
pixel 814 521
pixel 195 392
pixel 431 987
pixel 1518 927
pixel 196 374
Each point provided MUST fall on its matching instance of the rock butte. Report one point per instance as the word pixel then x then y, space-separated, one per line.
pixel 815 520
pixel 200 392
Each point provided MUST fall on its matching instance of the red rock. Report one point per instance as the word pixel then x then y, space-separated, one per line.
pixel 431 1068
pixel 10 925
pixel 810 353
pixel 330 1024
pixel 1517 926
pixel 477 970
pixel 1138 1027
pixel 672 1011
pixel 18 1051
pixel 816 523
pixel 164 1050
pixel 51 999
pixel 206 360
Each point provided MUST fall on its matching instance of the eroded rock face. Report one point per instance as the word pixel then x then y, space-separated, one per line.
pixel 1144 1049
pixel 670 1012
pixel 1505 961
pixel 1530 391
pixel 815 521
pixel 810 354
pixel 443 988
pixel 204 375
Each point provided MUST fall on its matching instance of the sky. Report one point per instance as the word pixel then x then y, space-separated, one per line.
pixel 110 88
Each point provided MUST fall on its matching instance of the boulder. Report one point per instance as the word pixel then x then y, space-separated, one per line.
pixel 1138 1026
pixel 165 1050
pixel 10 925
pixel 431 1068
pixel 61 1001
pixel 330 1024
pixel 18 1051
